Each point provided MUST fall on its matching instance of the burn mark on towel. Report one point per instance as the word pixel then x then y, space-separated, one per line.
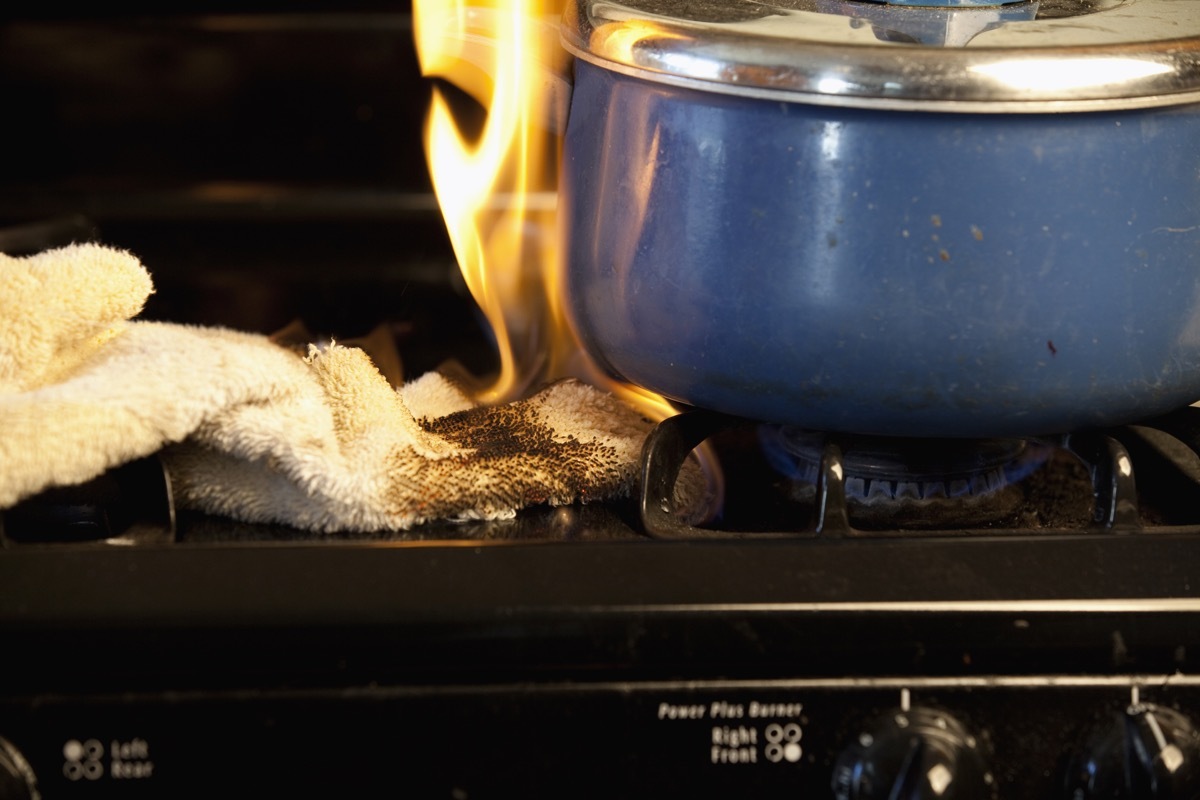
pixel 1050 346
pixel 521 454
pixel 504 432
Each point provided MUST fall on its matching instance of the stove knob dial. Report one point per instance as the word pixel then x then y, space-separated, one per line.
pixel 911 755
pixel 17 781
pixel 1148 752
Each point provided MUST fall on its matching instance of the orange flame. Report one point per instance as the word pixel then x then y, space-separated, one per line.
pixel 497 189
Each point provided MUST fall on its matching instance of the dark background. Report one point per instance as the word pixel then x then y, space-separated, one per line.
pixel 264 161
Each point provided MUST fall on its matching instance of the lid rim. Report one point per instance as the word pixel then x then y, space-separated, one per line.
pixel 1141 73
pixel 958 105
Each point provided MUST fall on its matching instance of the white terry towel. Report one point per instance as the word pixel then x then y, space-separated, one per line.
pixel 255 432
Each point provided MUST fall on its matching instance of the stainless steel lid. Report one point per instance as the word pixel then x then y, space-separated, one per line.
pixel 1052 55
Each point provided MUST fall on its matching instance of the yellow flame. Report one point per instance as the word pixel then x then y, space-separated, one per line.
pixel 497 189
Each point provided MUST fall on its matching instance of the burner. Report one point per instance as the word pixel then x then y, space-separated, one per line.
pixel 926 483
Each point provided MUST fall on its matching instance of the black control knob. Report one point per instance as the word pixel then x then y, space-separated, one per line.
pixel 911 754
pixel 1146 752
pixel 17 781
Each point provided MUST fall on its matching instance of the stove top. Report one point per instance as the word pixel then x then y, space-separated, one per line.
pixel 629 588
pixel 1010 662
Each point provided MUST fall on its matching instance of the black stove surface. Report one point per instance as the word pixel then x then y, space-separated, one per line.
pixel 623 587
pixel 612 661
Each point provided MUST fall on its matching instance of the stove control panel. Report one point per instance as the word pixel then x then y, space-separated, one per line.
pixel 985 738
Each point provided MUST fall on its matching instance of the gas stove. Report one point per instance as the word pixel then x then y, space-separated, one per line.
pixel 615 649
pixel 822 636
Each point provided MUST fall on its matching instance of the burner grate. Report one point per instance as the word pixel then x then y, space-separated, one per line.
pixel 1103 455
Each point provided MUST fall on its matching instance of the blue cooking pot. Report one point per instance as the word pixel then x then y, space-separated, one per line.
pixel 831 217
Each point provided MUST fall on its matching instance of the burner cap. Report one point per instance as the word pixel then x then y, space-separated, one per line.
pixel 921 482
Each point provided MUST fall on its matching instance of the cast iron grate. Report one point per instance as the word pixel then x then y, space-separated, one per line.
pixel 1107 460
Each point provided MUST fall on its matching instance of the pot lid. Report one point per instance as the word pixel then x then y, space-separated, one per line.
pixel 939 55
